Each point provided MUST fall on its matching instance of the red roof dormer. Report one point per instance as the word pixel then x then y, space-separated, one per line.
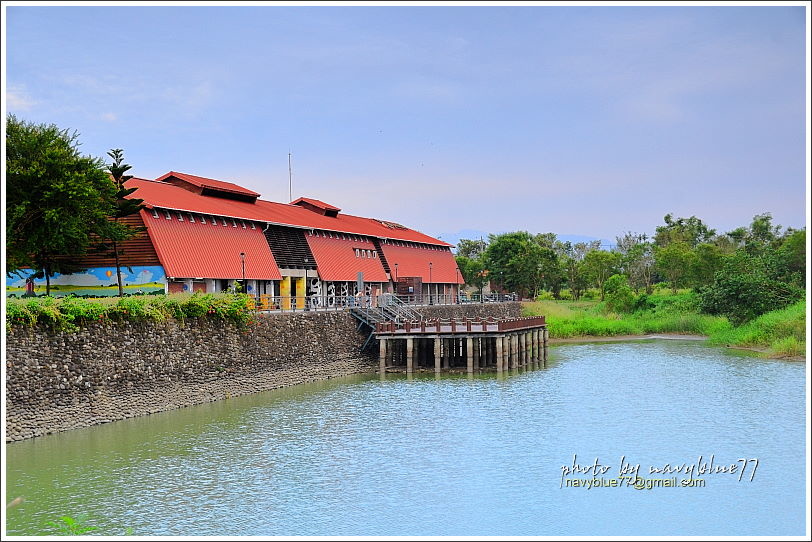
pixel 209 187
pixel 317 206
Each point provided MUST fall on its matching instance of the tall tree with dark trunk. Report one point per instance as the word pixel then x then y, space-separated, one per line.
pixel 56 199
pixel 117 232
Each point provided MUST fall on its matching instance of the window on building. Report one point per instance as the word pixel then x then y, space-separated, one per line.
pixel 242 222
pixel 357 253
pixel 202 219
pixel 154 212
pixel 180 217
pixel 191 218
pixel 224 221
pixel 253 226
pixel 168 215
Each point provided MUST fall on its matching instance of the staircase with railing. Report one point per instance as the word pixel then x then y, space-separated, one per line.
pixel 388 309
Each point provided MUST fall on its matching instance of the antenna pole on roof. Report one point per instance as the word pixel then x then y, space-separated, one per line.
pixel 290 180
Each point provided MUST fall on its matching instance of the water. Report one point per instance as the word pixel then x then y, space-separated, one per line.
pixel 454 456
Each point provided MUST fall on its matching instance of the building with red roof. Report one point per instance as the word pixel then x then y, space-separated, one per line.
pixel 204 234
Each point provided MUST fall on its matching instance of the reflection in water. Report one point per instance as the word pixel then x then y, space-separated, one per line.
pixel 447 455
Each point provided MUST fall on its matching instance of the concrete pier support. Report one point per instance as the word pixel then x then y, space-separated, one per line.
pixel 382 357
pixel 500 357
pixel 508 348
pixel 409 355
pixel 535 334
pixel 437 351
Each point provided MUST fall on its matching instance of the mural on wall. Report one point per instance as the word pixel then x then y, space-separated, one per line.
pixel 96 282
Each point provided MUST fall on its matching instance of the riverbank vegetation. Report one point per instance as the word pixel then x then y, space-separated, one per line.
pixel 69 313
pixel 745 287
pixel 778 333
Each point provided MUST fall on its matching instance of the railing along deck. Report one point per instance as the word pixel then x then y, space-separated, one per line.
pixel 460 325
pixel 396 303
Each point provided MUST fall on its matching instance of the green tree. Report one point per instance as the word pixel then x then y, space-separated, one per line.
pixel 117 232
pixel 471 248
pixel 707 260
pixel 56 199
pixel 636 259
pixel 514 258
pixel 747 286
pixel 571 257
pixel 691 231
pixel 762 232
pixel 674 261
pixel 473 270
pixel 792 257
pixel 599 265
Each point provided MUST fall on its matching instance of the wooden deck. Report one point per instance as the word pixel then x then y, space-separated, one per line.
pixel 473 344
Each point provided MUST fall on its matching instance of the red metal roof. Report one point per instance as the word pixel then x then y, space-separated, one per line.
pixel 192 249
pixel 414 262
pixel 316 203
pixel 164 195
pixel 336 259
pixel 203 182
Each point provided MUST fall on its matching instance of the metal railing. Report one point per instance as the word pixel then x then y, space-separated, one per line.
pixel 399 307
pixel 461 325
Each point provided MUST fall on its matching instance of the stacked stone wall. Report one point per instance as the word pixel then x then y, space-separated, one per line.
pixel 107 372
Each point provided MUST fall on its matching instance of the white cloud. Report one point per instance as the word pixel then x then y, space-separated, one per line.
pixel 18 99
pixel 143 277
pixel 109 117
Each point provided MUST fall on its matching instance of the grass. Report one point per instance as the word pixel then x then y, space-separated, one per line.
pixel 782 332
pixel 779 333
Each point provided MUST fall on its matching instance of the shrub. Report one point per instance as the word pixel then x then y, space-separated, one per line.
pixel 619 296
pixel 643 303
pixel 68 312
pixel 544 295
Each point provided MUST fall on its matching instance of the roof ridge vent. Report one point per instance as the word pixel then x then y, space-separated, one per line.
pixel 317 206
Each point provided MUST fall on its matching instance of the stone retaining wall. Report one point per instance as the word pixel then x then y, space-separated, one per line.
pixel 511 309
pixel 107 372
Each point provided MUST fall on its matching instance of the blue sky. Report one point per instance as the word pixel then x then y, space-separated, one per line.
pixel 577 120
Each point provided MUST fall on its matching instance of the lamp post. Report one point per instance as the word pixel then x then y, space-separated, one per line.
pixel 457 270
pixel 429 288
pixel 242 261
pixel 307 262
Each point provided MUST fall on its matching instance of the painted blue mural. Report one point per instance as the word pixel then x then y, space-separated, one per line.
pixel 97 281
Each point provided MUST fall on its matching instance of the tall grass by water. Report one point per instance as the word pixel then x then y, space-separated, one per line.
pixel 783 332
pixel 779 333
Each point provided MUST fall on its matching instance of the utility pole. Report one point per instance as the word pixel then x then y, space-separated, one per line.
pixel 290 180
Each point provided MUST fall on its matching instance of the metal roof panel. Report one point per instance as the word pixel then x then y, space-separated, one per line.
pixel 336 259
pixel 192 249
pixel 414 261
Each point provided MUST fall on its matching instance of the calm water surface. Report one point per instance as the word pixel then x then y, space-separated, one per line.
pixel 449 456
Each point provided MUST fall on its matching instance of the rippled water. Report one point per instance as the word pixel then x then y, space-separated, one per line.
pixel 448 456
